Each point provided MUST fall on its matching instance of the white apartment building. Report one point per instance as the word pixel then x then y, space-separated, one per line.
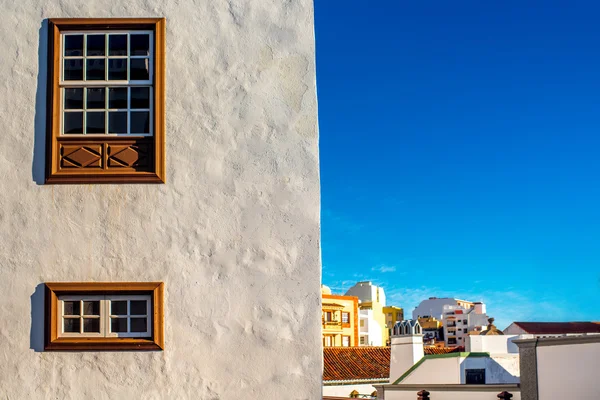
pixel 369 331
pixel 459 321
pixel 434 307
pixel 367 293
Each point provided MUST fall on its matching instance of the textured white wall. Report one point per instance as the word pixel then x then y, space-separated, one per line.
pixel 234 233
pixel 345 390
pixel 568 372
pixel 411 394
pixel 493 344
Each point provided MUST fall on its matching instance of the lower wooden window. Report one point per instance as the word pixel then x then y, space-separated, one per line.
pixel 104 316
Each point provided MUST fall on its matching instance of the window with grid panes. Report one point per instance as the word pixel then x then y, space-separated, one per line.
pixel 106 83
pixel 107 101
pixel 104 316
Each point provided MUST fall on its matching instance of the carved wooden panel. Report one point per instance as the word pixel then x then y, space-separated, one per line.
pixel 81 156
pixel 135 155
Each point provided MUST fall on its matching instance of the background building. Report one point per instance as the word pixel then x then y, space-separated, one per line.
pixel 458 322
pixel 434 307
pixel 339 319
pixel 393 314
pixel 373 320
pixel 433 330
pixel 552 329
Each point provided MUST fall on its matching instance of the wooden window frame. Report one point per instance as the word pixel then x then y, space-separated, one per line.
pixel 103 151
pixel 347 323
pixel 53 341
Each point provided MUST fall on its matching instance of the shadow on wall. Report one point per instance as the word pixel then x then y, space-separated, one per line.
pixel 495 373
pixel 36 334
pixel 39 156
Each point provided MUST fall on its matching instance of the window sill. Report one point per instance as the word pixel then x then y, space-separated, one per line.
pixel 117 344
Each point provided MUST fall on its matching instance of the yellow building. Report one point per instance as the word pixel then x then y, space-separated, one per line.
pixel 393 314
pixel 340 319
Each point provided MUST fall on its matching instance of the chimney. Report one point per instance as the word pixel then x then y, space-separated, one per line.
pixel 407 347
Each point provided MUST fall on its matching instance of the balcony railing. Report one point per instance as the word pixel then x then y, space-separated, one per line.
pixel 332 324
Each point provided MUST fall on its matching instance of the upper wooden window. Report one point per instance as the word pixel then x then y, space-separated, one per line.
pixel 106 95
pixel 104 316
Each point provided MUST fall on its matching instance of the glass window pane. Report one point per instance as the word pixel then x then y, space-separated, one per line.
pixel 95 98
pixel 140 122
pixel 91 308
pixel 73 98
pixel 117 122
pixel 138 307
pixel 72 325
pixel 73 70
pixel 73 45
pixel 118 325
pixel 140 45
pixel 117 45
pixel 73 122
pixel 118 307
pixel 91 324
pixel 140 69
pixel 71 307
pixel 95 69
pixel 95 45
pixel 140 97
pixel 117 98
pixel 117 69
pixel 95 122
pixel 138 324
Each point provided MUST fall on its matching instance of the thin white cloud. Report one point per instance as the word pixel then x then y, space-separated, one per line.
pixel 384 269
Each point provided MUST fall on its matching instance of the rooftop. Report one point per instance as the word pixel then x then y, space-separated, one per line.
pixel 549 328
pixel 356 363
pixel 365 363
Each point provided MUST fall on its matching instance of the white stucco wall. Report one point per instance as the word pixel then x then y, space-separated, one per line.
pixel 493 344
pixel 234 233
pixel 499 369
pixel 568 371
pixel 345 390
pixel 411 394
pixel 437 371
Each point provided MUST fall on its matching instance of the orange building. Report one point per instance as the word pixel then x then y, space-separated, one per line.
pixel 339 319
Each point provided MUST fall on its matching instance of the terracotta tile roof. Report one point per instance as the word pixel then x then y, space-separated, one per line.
pixel 548 328
pixel 429 350
pixel 356 363
pixel 365 362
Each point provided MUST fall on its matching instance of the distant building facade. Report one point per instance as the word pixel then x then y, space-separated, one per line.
pixel 459 322
pixel 339 320
pixel 553 329
pixel 373 330
pixel 433 331
pixel 393 314
pixel 434 307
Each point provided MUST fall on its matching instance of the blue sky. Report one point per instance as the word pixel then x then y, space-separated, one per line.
pixel 460 152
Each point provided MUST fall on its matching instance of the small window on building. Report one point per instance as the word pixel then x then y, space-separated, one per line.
pixel 362 323
pixel 346 341
pixel 451 340
pixel 465 330
pixel 362 340
pixel 345 318
pixel 465 321
pixel 104 316
pixel 475 376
